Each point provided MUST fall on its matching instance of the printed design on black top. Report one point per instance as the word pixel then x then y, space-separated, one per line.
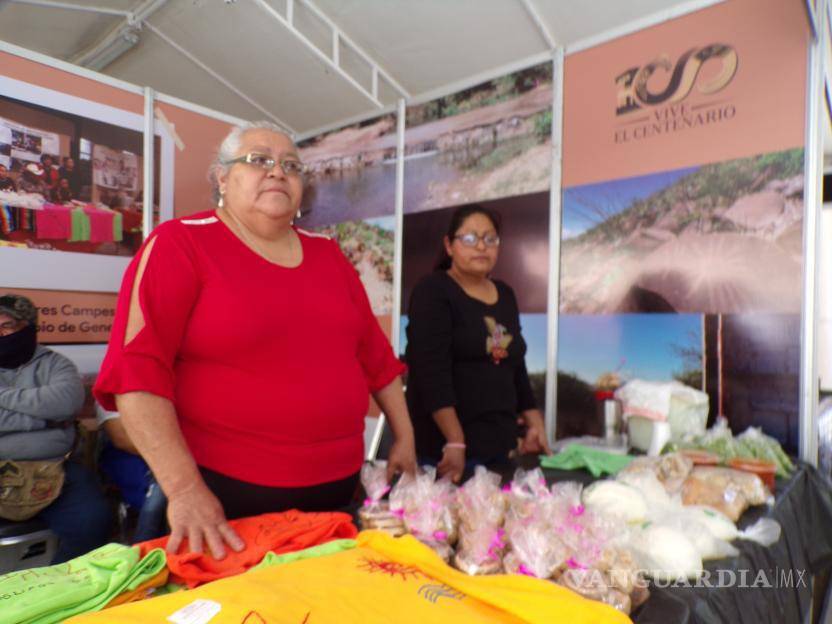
pixel 496 345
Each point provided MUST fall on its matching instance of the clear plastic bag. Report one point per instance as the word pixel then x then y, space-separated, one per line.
pixel 646 482
pixel 526 493
pixel 428 509
pixel 619 566
pixel 481 501
pixel 592 584
pixel 480 550
pixel 481 506
pixel 727 490
pixel 670 469
pixel 664 553
pixel 690 524
pixel 617 500
pixel 683 407
pixel 375 513
pixel 535 550
pixel 754 443
pixel 764 532
pixel 374 480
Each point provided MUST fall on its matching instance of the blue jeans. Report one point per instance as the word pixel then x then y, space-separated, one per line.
pixel 151 521
pixel 138 489
pixel 80 516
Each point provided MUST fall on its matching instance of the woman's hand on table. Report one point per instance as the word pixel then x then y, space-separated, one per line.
pixel 196 514
pixel 402 457
pixel 452 463
pixel 535 439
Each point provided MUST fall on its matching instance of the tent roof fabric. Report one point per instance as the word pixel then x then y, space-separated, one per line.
pixel 243 58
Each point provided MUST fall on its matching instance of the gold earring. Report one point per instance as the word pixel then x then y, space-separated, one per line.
pixel 299 214
pixel 221 201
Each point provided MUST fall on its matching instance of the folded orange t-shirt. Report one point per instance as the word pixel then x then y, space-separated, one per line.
pixel 141 592
pixel 282 532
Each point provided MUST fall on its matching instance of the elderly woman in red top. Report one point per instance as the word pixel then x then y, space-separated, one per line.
pixel 244 351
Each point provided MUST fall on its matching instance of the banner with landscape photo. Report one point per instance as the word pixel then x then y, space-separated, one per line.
pixel 350 195
pixel 351 173
pixel 594 349
pixel 718 238
pixel 488 141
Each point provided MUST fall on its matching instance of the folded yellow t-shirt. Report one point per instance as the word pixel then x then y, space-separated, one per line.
pixel 383 579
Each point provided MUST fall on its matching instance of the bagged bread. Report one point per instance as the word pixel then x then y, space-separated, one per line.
pixel 428 509
pixel 481 506
pixel 375 513
pixel 670 469
pixel 726 490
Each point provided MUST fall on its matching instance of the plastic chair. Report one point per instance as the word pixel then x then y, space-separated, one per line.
pixel 27 544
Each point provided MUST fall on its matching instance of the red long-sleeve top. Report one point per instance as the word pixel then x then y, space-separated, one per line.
pixel 269 368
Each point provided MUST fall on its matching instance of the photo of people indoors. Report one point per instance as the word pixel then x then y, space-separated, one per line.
pixel 68 183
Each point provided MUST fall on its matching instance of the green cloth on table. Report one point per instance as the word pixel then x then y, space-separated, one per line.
pixel 596 461
pixel 86 583
pixel 321 550
pixel 80 226
pixel 118 223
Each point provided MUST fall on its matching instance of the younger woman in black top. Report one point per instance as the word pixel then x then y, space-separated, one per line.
pixel 467 381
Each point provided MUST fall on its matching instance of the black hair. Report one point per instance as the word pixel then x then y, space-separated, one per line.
pixel 443 261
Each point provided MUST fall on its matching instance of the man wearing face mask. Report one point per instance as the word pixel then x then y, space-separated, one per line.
pixel 40 393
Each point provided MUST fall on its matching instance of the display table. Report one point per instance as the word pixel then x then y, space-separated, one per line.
pixel 773 584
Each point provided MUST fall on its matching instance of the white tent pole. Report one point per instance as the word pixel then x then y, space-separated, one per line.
pixel 815 17
pixel 147 158
pixel 356 48
pixel 395 330
pixel 531 9
pixel 113 44
pixel 127 87
pixel 216 76
pixel 432 94
pixel 398 257
pixel 813 199
pixel 555 209
pixel 336 67
pixel 53 4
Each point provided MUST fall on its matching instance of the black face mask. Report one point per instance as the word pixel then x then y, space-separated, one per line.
pixel 18 348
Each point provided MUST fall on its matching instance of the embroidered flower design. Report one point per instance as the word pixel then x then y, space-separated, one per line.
pixel 498 340
pixel 391 568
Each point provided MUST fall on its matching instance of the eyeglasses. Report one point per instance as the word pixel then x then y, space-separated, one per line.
pixel 289 166
pixel 470 239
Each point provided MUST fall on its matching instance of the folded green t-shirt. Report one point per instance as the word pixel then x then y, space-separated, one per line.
pixel 596 461
pixel 87 583
pixel 320 550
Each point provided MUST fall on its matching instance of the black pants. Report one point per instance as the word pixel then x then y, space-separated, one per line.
pixel 240 499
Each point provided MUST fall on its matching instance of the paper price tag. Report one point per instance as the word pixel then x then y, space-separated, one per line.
pixel 198 612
